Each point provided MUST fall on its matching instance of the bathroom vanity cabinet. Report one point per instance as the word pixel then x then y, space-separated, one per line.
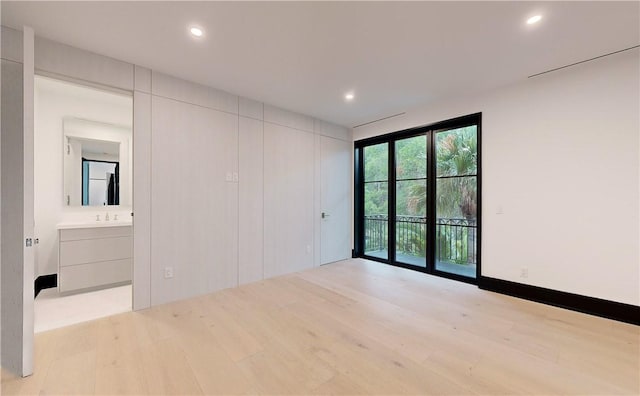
pixel 94 256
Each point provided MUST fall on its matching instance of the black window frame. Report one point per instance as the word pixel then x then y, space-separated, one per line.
pixel 430 131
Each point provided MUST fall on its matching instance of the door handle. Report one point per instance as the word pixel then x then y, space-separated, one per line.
pixel 324 215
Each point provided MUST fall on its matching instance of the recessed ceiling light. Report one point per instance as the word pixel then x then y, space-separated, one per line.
pixel 197 32
pixel 534 19
pixel 349 96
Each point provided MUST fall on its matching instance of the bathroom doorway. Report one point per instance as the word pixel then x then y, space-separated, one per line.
pixel 83 159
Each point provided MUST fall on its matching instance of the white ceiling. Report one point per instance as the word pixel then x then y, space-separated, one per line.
pixel 304 56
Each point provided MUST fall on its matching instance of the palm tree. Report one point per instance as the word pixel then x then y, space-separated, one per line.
pixel 456 197
pixel 457 155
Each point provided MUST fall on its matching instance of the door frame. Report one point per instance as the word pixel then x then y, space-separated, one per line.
pixel 28 293
pixel 29 309
pixel 22 330
pixel 106 89
pixel 390 138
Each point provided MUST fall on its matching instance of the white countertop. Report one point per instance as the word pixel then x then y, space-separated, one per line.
pixel 94 224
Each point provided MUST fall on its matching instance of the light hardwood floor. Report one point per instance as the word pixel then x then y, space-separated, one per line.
pixel 354 327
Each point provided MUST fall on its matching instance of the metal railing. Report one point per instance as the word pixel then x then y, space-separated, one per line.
pixel 411 235
pixel 456 238
pixel 376 232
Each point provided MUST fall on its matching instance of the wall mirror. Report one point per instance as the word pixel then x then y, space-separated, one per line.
pixel 97 164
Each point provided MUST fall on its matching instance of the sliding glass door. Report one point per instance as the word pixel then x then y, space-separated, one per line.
pixel 376 197
pixel 411 200
pixel 456 200
pixel 417 198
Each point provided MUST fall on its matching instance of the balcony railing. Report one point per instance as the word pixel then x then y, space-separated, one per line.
pixel 456 238
pixel 376 232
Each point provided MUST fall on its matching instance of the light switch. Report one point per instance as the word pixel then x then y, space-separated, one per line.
pixel 235 176
pixel 229 177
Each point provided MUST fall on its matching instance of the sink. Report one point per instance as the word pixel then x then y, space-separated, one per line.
pixel 94 224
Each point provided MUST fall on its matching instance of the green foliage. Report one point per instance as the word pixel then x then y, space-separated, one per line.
pixel 376 162
pixel 453 248
pixel 456 197
pixel 411 158
pixel 411 163
pixel 457 152
pixel 376 169
pixel 457 155
pixel 410 239
pixel 376 198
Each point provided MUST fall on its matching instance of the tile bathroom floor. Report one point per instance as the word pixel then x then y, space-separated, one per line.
pixel 53 311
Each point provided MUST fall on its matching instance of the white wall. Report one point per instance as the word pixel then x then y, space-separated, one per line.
pixel 142 189
pixel 193 206
pixel 288 200
pixel 233 185
pixel 251 197
pixel 12 251
pixel 203 170
pixel 560 156
pixel 53 109
pixel 17 189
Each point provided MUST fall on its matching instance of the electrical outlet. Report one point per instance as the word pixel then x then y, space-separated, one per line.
pixel 308 248
pixel 524 273
pixel 168 272
pixel 236 177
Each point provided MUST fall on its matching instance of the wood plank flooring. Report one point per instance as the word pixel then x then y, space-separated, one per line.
pixel 354 327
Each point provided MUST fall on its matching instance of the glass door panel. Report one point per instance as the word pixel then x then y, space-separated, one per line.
pixel 456 201
pixel 376 200
pixel 418 198
pixel 411 200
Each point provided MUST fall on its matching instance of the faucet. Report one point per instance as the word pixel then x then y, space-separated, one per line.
pixel 106 217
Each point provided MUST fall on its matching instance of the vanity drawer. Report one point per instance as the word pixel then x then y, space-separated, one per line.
pixel 94 250
pixel 74 234
pixel 84 276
